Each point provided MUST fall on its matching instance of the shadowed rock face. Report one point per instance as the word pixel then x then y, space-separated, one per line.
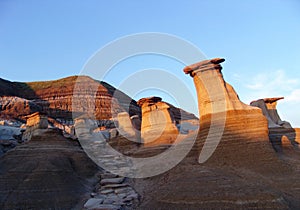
pixel 269 109
pixel 282 135
pixel 158 125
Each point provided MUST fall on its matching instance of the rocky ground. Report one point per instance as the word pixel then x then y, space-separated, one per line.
pixel 112 192
pixel 52 172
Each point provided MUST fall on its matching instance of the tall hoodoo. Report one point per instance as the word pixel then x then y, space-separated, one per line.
pixel 231 132
pixel 214 94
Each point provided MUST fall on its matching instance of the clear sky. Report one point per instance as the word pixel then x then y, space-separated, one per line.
pixel 44 40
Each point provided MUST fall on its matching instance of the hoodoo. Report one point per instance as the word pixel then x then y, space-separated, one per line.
pixel 125 125
pixel 231 132
pixel 281 133
pixel 158 124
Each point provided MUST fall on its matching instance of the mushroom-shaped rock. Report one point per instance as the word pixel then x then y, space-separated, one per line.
pixel 158 125
pixel 231 132
pixel 269 109
pixel 212 91
pixel 282 135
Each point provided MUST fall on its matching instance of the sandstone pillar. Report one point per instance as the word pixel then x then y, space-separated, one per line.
pixel 231 132
pixel 212 91
pixel 34 123
pixel 282 135
pixel 269 108
pixel 158 126
pixel 84 127
pixel 37 120
pixel 125 126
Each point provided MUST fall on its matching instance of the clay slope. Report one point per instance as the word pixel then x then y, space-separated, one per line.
pixel 49 172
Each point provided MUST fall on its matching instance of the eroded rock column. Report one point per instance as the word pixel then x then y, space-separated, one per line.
pixel 212 91
pixel 125 126
pixel 269 108
pixel 35 122
pixel 231 132
pixel 282 135
pixel 158 125
pixel 84 127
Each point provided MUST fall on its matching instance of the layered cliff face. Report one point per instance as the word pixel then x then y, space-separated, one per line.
pixel 55 98
pixel 16 107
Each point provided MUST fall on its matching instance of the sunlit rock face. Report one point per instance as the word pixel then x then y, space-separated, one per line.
pixel 16 107
pixel 34 123
pixel 64 98
pixel 214 94
pixel 231 132
pixel 158 124
pixel 282 135
pixel 37 120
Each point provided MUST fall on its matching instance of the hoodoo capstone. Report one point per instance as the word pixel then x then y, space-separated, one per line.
pixel 269 109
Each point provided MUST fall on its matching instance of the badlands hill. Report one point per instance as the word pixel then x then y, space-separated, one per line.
pixel 55 99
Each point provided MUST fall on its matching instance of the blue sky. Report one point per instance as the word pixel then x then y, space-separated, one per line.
pixel 43 40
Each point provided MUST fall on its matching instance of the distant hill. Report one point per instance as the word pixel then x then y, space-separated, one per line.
pixel 55 98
